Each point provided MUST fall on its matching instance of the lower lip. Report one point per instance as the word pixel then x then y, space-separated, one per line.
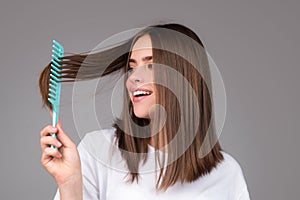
pixel 138 99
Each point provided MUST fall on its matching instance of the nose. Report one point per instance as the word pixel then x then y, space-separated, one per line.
pixel 136 75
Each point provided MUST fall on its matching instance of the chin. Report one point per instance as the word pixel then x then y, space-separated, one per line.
pixel 141 114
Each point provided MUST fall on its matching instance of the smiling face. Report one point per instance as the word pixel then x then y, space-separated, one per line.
pixel 139 84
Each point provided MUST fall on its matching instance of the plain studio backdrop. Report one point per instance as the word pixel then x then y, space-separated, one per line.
pixel 255 45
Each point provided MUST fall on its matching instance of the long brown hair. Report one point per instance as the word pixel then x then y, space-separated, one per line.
pixel 189 111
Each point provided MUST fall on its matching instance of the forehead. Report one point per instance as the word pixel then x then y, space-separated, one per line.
pixel 144 42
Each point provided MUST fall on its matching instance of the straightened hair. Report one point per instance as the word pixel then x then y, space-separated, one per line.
pixel 133 134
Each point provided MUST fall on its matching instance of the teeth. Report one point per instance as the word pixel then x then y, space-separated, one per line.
pixel 139 92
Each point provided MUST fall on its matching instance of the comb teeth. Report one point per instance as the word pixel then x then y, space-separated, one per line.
pixel 55 75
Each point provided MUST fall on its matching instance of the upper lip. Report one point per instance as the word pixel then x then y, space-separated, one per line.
pixel 142 89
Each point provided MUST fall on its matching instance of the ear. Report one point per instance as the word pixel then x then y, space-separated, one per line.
pixel 59 120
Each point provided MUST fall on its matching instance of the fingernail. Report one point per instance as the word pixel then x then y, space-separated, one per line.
pixel 59 155
pixel 58 144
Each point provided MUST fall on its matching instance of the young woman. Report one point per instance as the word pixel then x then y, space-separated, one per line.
pixel 164 145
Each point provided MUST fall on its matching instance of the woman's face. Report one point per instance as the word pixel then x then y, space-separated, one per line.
pixel 140 84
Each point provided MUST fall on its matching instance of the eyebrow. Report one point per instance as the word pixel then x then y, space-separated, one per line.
pixel 147 58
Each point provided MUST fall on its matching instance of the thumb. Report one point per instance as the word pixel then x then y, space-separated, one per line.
pixel 59 122
pixel 63 137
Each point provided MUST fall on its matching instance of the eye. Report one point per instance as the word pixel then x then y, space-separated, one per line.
pixel 149 66
pixel 130 69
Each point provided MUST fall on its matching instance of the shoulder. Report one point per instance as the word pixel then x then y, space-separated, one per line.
pixel 93 151
pixel 230 168
pixel 94 137
pixel 107 134
pixel 230 163
pixel 96 144
pixel 231 172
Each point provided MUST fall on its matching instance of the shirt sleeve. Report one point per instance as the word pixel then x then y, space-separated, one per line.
pixel 90 186
pixel 89 175
pixel 239 189
pixel 57 196
pixel 244 195
pixel 242 188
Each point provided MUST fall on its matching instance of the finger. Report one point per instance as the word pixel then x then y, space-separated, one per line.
pixel 63 137
pixel 48 130
pixel 46 141
pixel 48 154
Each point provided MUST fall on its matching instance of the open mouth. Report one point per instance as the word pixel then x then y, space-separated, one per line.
pixel 139 95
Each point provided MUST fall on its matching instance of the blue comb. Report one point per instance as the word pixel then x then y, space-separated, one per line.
pixel 55 82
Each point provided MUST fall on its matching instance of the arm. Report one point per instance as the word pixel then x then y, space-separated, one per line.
pixel 64 165
pixel 72 189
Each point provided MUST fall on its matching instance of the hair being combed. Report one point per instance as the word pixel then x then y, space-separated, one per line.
pixel 188 166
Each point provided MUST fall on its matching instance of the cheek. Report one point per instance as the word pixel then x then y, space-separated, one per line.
pixel 154 97
pixel 149 77
pixel 127 84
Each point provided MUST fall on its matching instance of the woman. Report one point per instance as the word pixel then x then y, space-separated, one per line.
pixel 164 145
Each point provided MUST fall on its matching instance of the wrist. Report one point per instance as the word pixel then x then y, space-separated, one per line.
pixel 72 188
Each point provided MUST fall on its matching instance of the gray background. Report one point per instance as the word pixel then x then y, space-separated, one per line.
pixel 255 44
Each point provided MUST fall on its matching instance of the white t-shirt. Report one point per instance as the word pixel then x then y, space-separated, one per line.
pixel 104 176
